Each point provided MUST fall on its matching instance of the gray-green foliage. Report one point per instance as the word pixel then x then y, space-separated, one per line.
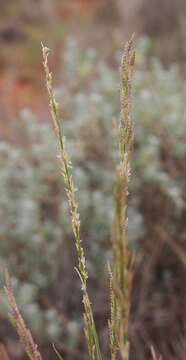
pixel 35 230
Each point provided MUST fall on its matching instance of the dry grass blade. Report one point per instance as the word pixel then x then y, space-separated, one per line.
pixel 24 333
pixel 90 329
pixel 57 353
pixel 121 274
pixel 154 355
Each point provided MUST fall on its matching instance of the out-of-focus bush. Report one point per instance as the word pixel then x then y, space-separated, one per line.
pixel 162 20
pixel 36 238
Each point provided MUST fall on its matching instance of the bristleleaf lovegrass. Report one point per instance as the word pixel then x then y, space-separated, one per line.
pixel 121 272
pixel 66 166
pixel 121 269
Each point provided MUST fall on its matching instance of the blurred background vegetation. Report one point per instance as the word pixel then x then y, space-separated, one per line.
pixel 87 38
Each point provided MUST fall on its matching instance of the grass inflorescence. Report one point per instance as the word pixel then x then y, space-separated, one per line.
pixel 18 322
pixel 90 328
pixel 120 270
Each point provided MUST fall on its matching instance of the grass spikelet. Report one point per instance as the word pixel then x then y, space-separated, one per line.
pixel 24 333
pixel 89 327
pixel 121 274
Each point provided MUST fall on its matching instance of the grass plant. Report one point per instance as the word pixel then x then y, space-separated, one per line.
pixel 121 271
pixel 16 318
pixel 89 328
